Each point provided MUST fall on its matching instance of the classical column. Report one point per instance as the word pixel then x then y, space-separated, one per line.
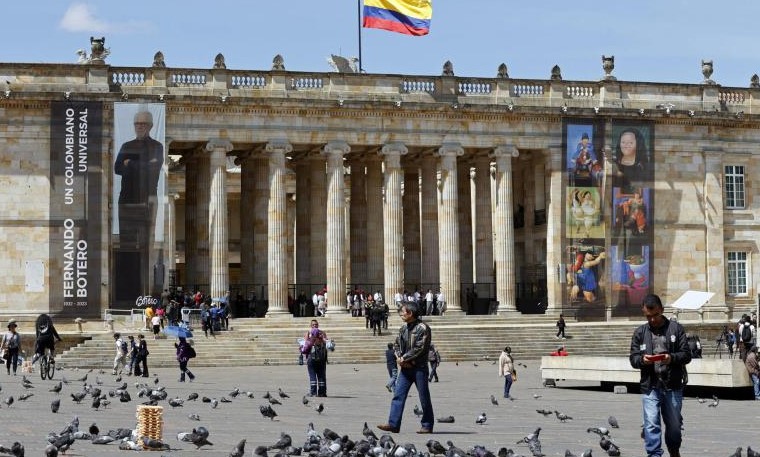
pixel 303 227
pixel 429 229
pixel 247 212
pixel 200 223
pixel 291 248
pixel 393 236
pixel 448 226
pixel 715 253
pixel 504 254
pixel 411 217
pixel 171 239
pixel 191 229
pixel 374 223
pixel 358 224
pixel 464 212
pixel 556 278
pixel 277 274
pixel 260 227
pixel 336 224
pixel 317 216
pixel 483 223
pixel 217 217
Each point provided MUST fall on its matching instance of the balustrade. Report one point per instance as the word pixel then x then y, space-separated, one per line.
pixel 411 86
pixel 475 88
pixel 188 79
pixel 128 78
pixel 307 82
pixel 248 81
pixel 527 90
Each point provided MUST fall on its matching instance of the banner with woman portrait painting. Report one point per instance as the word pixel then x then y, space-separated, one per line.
pixel 607 218
pixel 632 203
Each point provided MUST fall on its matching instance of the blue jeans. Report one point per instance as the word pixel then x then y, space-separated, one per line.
pixel 507 384
pixel 406 377
pixel 756 385
pixel 666 404
pixel 392 380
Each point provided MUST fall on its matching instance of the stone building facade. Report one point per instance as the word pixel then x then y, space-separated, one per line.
pixel 277 182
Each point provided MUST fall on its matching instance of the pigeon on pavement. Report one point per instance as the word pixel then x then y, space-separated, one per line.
pixel 55 405
pixel 267 411
pixel 562 416
pixel 494 401
pixel 612 420
pixel 239 450
pixel 481 419
pixel 435 447
pixel 446 420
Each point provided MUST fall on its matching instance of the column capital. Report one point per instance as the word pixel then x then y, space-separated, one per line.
pixel 450 150
pixel 392 153
pixel 339 147
pixel 504 151
pixel 279 145
pixel 219 143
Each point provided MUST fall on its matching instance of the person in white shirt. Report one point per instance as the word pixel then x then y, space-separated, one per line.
pixel 378 296
pixel 441 303
pixel 120 361
pixel 398 298
pixel 429 302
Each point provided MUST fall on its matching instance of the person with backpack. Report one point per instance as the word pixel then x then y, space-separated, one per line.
pixel 120 361
pixel 185 352
pixel 753 367
pixel 660 350
pixel 142 356
pixel 746 333
pixel 434 358
pixel 11 344
pixel 315 350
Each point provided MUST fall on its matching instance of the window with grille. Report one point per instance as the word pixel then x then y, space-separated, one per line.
pixel 734 179
pixel 737 273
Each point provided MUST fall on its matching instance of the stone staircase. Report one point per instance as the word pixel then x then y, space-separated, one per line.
pixel 272 341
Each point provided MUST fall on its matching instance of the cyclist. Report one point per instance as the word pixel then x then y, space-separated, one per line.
pixel 46 336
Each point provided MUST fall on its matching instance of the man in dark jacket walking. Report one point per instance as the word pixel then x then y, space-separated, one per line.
pixel 660 350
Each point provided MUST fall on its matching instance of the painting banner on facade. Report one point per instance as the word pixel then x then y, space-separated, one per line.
pixel 76 207
pixel 139 196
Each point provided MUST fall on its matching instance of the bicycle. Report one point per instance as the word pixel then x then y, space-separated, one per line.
pixel 47 365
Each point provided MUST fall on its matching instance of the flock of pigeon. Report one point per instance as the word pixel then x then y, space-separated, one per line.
pixel 328 443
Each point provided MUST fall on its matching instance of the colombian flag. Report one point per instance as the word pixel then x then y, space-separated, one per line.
pixel 410 17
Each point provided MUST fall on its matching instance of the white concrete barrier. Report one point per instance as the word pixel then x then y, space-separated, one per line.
pixel 702 372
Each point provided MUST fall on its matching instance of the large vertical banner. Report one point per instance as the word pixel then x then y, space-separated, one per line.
pixel 632 231
pixel 76 207
pixel 585 233
pixel 140 197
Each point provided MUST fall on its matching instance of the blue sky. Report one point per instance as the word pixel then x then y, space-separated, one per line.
pixel 652 40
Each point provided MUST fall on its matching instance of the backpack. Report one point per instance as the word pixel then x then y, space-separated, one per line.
pixel 124 347
pixel 746 333
pixel 318 352
pixel 191 352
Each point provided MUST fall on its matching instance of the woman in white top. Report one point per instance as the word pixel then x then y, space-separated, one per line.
pixel 11 343
pixel 507 369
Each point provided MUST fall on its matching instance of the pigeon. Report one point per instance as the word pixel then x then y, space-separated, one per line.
pixel 95 403
pixel 199 437
pixel 154 445
pixel 94 430
pixel 239 450
pixel 57 388
pixel 417 411
pixel 737 453
pixel 78 396
pixel 605 443
pixel 531 436
pixel 454 451
pixel 225 400
pixel 214 403
pixel 55 405
pixel 446 420
pixel 481 419
pixel 701 400
pixel 494 401
pixel 155 381
pixel 284 441
pixel 234 393
pixel 51 451
pixel 330 434
pixel 249 394
pixel 601 431
pixel 267 411
pixel 260 451
pixel 103 439
pixel 267 395
pixel 714 402
pixel 368 433
pixel 435 447
pixel 612 420
pixel 176 402
pixel 206 400
pixel 305 401
pixel 752 453
pixel 124 397
pixel 24 396
pixel 194 417
pixel 274 401
pixel 98 381
pixel 193 396
pixel 282 394
pixel 545 412
pixel 562 416
pixel 8 401
pixel 537 396
pixel 614 450
pixel 320 408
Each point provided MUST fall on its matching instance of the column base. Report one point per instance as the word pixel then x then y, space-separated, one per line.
pixel 508 312
pixel 278 313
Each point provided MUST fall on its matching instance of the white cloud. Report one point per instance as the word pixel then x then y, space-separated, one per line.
pixel 79 17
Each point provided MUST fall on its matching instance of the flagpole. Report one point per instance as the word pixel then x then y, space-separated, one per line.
pixel 359 23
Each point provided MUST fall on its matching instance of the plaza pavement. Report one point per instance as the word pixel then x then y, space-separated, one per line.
pixel 356 394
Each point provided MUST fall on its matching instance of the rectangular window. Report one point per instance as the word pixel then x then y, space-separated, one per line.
pixel 734 178
pixel 737 273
